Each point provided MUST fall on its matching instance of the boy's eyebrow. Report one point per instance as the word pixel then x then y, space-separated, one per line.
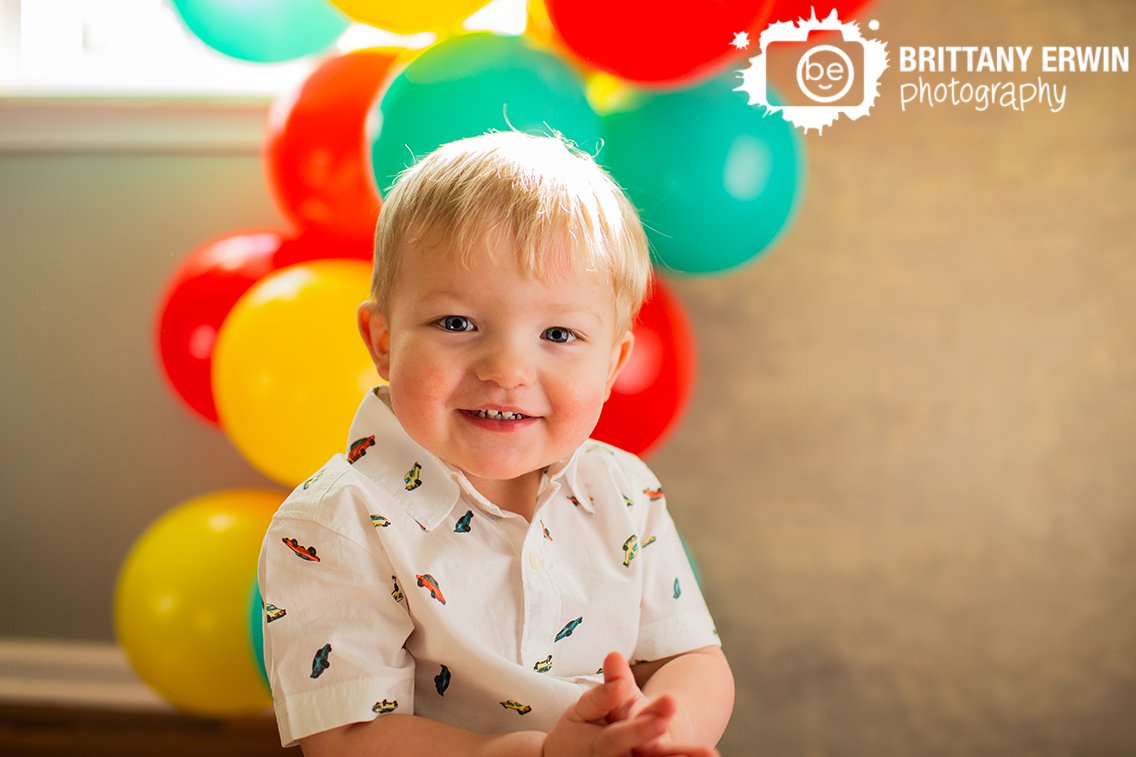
pixel 550 308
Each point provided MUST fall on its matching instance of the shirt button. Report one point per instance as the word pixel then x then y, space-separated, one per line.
pixel 534 561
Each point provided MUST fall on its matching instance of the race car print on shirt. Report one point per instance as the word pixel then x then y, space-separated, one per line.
pixel 568 628
pixel 320 662
pixel 517 707
pixel 412 478
pixel 359 448
pixel 304 553
pixel 630 549
pixel 428 582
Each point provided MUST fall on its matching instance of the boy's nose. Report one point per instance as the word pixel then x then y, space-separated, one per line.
pixel 505 364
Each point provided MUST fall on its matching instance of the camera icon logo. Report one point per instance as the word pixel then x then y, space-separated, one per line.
pixel 834 69
pixel 826 73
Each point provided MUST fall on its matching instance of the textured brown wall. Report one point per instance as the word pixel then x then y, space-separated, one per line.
pixel 908 469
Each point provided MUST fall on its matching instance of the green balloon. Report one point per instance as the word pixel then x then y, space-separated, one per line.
pixel 256 633
pixel 470 84
pixel 263 31
pixel 715 179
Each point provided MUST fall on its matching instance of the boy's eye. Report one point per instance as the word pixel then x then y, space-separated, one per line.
pixel 559 335
pixel 456 323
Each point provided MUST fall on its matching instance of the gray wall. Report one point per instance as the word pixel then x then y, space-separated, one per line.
pixel 907 471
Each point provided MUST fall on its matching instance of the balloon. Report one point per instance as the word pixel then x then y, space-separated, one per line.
pixel 651 393
pixel 204 289
pixel 316 150
pixel 196 301
pixel 263 31
pixel 409 17
pixel 715 180
pixel 792 10
pixel 317 244
pixel 181 601
pixel 653 43
pixel 470 84
pixel 539 28
pixel 290 369
pixel 256 633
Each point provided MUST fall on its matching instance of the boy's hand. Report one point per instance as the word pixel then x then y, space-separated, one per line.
pixel 632 703
pixel 632 700
pixel 615 719
pixel 584 730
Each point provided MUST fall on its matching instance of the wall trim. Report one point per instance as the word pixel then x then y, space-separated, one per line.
pixel 74 674
pixel 133 124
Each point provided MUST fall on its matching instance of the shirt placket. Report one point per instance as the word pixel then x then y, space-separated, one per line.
pixel 542 599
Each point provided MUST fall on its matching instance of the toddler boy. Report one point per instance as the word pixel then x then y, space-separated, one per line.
pixel 475 574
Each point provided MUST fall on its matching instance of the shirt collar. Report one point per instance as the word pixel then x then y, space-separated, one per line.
pixel 565 474
pixel 399 465
pixel 431 487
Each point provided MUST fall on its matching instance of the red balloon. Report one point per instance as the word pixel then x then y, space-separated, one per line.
pixel 316 244
pixel 204 289
pixel 653 43
pixel 196 301
pixel 792 10
pixel 316 149
pixel 652 391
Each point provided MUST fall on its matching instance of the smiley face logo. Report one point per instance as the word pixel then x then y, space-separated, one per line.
pixel 825 73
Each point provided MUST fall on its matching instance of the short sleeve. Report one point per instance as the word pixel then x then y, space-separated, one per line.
pixel 335 621
pixel 673 614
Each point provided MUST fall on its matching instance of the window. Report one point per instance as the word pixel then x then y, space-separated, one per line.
pixel 141 47
pixel 78 72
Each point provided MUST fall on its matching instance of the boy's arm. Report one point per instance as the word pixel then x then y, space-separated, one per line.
pixel 702 685
pixel 413 736
pixel 583 730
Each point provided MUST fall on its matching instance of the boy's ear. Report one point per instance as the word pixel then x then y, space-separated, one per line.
pixel 375 331
pixel 619 354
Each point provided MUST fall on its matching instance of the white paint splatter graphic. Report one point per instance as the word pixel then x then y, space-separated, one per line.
pixel 835 76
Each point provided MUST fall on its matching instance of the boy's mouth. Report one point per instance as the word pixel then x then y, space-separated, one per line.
pixel 498 415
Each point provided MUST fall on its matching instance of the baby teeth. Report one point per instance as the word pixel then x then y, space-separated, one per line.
pixel 499 415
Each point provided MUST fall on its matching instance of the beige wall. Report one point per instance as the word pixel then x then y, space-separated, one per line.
pixel 908 469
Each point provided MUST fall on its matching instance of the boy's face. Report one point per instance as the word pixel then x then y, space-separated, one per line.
pixel 496 373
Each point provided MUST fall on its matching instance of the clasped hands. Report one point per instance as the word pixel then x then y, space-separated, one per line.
pixel 616 719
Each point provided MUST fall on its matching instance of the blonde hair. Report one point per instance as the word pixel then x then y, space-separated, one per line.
pixel 550 200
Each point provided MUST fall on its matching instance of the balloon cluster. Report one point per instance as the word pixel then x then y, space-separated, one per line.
pixel 255 329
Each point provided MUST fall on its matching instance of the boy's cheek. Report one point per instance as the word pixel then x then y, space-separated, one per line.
pixel 419 380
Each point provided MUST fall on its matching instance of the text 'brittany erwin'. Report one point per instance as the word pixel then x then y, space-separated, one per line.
pixel 999 59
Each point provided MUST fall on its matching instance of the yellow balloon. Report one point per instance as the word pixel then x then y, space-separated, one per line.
pixel 182 601
pixel 538 24
pixel 409 17
pixel 289 367
pixel 607 93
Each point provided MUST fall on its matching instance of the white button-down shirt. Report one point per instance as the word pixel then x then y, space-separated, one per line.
pixel 392 585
